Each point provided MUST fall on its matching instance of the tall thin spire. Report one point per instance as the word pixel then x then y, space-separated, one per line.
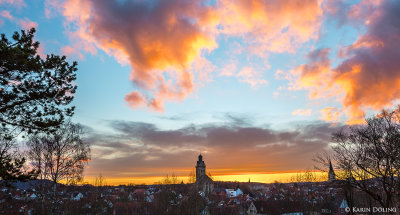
pixel 331 174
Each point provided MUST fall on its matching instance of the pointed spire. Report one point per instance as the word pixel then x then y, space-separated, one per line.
pixel 331 174
pixel 330 167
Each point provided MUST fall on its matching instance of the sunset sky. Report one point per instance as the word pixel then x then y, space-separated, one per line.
pixel 256 86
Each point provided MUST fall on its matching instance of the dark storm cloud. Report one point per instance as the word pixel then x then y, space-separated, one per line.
pixel 140 148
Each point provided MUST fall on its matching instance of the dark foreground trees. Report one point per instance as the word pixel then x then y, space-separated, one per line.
pixel 12 162
pixel 35 94
pixel 368 157
pixel 60 156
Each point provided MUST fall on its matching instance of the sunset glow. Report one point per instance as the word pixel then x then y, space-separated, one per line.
pixel 261 178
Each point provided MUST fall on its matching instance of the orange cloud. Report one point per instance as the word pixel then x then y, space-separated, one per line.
pixel 135 32
pixel 251 76
pixel 6 14
pixel 27 24
pixel 302 112
pixel 276 26
pixel 135 99
pixel 330 114
pixel 313 76
pixel 228 69
pixel 69 50
pixel 164 67
pixel 24 23
pixel 370 75
pixel 203 70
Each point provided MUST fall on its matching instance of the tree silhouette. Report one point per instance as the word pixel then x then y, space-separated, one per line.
pixel 370 153
pixel 35 93
pixel 60 156
pixel 11 163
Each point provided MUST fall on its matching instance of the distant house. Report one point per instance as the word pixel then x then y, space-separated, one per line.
pixel 233 193
pixel 78 197
pixel 343 206
pixel 252 210
pixel 230 192
pixel 203 182
pixel 33 196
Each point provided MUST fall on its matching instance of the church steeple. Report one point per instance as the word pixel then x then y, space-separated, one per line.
pixel 203 182
pixel 331 174
pixel 200 167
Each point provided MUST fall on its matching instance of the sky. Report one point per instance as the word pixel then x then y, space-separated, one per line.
pixel 256 86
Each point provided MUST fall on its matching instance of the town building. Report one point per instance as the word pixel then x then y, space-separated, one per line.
pixel 203 182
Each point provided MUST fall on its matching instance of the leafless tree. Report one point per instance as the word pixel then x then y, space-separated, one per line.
pixel 60 156
pixel 173 179
pixel 192 177
pixel 304 181
pixel 368 157
pixel 100 181
pixel 12 162
pixel 305 176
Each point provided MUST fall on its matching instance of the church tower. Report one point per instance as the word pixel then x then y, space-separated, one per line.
pixel 203 182
pixel 331 174
pixel 200 168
